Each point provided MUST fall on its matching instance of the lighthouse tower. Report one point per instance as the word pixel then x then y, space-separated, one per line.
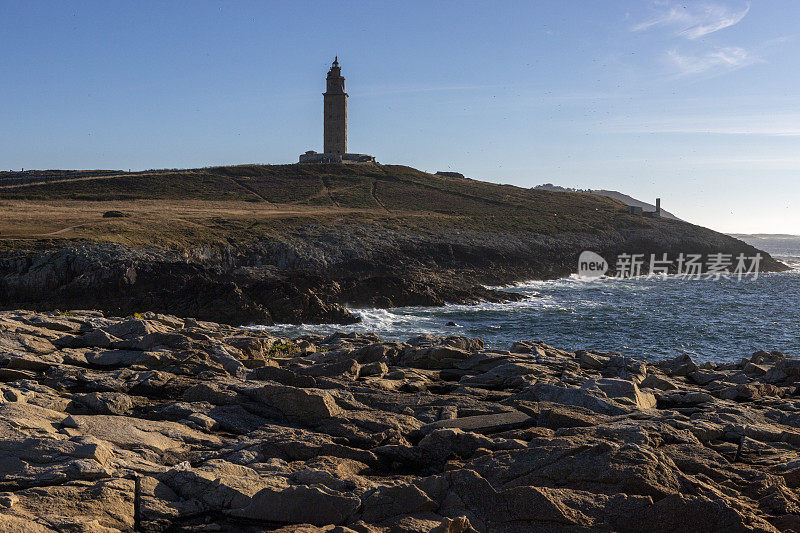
pixel 335 114
pixel 335 124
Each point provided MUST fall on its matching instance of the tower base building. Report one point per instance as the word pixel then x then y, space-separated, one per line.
pixel 315 157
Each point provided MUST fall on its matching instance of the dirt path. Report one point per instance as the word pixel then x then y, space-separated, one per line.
pixel 40 235
pixel 253 191
pixel 86 178
pixel 375 194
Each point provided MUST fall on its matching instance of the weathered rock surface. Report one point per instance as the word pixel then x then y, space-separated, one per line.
pixel 214 428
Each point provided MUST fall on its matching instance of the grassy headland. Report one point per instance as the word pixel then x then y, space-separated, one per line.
pixel 294 242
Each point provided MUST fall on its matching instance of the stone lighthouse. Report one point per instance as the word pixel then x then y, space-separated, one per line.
pixel 335 124
pixel 335 114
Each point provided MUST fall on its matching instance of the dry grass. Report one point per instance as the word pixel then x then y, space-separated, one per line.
pixel 244 203
pixel 171 223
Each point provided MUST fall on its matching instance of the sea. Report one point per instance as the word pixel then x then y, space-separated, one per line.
pixel 718 320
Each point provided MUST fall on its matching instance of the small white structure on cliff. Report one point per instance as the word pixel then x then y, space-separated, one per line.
pixel 335 124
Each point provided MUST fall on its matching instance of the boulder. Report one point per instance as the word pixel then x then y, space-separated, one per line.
pixel 441 356
pixel 484 423
pixel 302 405
pixel 347 368
pixel 749 391
pixel 376 369
pixel 591 360
pixel 134 327
pixel 755 369
pixel 218 484
pixel 40 461
pixel 655 381
pixel 106 403
pixel 130 433
pixel 681 365
pixel 555 416
pixel 299 504
pixel 98 338
pixel 389 501
pixel 377 352
pixel 623 390
pixel 595 401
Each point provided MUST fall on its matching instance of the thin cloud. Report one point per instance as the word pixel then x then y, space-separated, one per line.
pixel 742 130
pixel 778 126
pixel 695 21
pixel 720 59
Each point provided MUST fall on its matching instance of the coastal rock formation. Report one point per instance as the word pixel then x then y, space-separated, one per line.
pixel 310 275
pixel 156 423
pixel 302 243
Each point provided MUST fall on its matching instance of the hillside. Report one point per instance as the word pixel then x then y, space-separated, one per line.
pixel 296 242
pixel 255 199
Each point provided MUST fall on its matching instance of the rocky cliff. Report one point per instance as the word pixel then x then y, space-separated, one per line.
pixel 312 273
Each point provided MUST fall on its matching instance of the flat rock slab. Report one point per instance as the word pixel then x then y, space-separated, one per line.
pixel 484 423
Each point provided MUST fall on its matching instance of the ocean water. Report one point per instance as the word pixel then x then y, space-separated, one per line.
pixel 717 320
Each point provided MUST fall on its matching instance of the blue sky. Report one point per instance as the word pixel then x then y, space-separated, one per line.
pixel 695 102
